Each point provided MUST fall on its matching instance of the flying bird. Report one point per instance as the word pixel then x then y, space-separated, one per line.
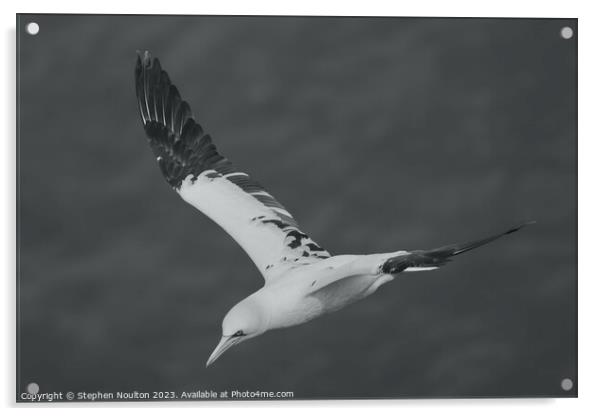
pixel 302 280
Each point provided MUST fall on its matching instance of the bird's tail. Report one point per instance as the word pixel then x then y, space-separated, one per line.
pixel 419 260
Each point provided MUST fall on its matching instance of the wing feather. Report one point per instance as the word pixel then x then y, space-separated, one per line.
pixel 191 164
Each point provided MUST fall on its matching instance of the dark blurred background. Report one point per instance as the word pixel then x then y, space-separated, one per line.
pixel 379 134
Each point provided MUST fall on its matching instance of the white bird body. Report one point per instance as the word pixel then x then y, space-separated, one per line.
pixel 302 280
pixel 307 292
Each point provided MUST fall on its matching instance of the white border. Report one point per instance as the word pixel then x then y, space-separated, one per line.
pixel 590 70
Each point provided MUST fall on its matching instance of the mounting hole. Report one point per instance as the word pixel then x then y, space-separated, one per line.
pixel 566 384
pixel 566 32
pixel 32 28
pixel 33 388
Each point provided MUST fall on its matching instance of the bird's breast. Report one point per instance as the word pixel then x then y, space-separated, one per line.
pixel 297 303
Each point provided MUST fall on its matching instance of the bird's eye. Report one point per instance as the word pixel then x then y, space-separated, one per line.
pixel 239 333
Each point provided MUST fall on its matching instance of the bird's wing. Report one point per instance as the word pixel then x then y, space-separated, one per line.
pixel 205 179
pixel 349 266
pixel 418 260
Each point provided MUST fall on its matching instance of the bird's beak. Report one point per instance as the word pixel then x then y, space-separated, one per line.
pixel 224 344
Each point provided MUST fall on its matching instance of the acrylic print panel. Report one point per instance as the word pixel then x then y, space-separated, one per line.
pixel 376 134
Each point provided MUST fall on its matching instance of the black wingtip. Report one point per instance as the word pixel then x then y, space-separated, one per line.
pixel 518 227
pixel 439 256
pixel 143 57
pixel 178 142
pixel 144 62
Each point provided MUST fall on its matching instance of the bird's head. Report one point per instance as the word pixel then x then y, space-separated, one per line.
pixel 244 321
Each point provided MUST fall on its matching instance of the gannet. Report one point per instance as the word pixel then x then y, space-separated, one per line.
pixel 302 280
